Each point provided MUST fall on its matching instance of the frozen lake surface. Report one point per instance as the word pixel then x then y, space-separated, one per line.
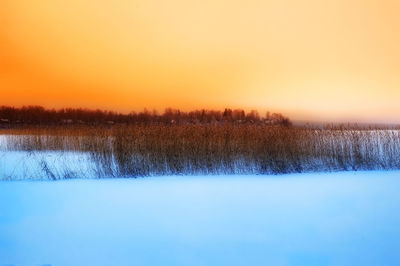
pixel 348 218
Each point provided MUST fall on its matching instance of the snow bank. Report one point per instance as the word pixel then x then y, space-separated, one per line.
pixel 18 165
pixel 302 219
pixel 3 142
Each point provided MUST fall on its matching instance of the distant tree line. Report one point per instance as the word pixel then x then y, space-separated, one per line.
pixel 38 115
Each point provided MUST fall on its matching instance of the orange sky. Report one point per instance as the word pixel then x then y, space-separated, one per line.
pixel 311 59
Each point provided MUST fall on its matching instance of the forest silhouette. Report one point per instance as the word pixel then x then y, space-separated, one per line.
pixel 38 115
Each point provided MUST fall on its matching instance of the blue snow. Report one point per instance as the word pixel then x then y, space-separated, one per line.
pixel 350 218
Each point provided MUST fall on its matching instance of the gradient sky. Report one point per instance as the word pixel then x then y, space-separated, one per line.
pixel 311 59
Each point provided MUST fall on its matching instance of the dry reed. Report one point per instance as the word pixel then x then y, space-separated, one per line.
pixel 131 151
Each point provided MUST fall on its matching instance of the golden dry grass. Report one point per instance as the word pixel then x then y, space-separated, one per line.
pixel 130 151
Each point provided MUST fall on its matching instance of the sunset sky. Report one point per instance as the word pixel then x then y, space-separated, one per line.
pixel 330 60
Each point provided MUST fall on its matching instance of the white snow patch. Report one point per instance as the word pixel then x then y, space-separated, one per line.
pixel 21 165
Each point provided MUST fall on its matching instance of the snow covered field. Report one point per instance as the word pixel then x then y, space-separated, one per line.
pixel 347 218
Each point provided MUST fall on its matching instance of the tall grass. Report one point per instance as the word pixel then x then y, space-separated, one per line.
pixel 131 151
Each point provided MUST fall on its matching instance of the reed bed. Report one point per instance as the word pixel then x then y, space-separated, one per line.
pixel 132 151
